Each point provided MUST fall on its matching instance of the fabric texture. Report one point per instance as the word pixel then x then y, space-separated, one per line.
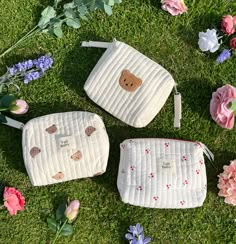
pixel 162 173
pixel 64 146
pixel 129 85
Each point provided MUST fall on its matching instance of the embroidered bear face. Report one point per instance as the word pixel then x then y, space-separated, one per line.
pixel 77 156
pixel 89 130
pixel 129 82
pixel 34 151
pixel 52 129
pixel 58 176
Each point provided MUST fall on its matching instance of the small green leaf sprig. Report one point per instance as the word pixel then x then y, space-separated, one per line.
pixel 71 14
pixel 66 213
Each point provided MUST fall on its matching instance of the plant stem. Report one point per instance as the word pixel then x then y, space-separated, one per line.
pixel 59 232
pixel 1 207
pixel 26 36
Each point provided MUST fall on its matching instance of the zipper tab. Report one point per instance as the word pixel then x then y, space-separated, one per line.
pixel 207 151
pixel 96 44
pixel 177 108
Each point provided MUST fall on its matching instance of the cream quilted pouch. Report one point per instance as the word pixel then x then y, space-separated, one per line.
pixel 64 146
pixel 129 85
pixel 162 173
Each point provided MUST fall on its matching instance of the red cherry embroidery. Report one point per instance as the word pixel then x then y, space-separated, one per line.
pixel 147 151
pixel 168 186
pixel 201 162
pixel 151 175
pixel 198 171
pixel 182 202
pixel 132 167
pixel 186 182
pixel 140 188
pixel 184 158
pixel 155 198
pixel 167 144
pixel 123 146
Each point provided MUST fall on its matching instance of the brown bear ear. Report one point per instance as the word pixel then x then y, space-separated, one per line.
pixel 125 72
pixel 139 82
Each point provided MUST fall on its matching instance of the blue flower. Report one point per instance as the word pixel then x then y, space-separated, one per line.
pixel 43 63
pixel 31 76
pixel 225 54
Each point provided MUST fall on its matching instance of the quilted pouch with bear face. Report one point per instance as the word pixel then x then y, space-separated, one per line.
pixel 64 146
pixel 162 173
pixel 129 85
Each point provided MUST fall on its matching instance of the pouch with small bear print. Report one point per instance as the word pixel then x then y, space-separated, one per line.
pixel 63 146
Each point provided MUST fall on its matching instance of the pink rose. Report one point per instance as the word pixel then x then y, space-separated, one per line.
pixel 174 7
pixel 227 24
pixel 72 210
pixel 20 107
pixel 223 116
pixel 13 200
pixel 227 183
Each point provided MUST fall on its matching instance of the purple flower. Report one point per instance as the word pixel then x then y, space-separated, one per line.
pixel 12 70
pixel 20 67
pixel 31 76
pixel 43 63
pixel 136 236
pixel 225 54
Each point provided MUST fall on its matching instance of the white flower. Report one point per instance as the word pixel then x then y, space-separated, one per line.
pixel 208 41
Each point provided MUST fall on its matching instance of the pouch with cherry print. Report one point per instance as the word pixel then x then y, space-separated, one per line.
pixel 163 173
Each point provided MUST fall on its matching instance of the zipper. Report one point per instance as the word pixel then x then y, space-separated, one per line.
pixel 205 149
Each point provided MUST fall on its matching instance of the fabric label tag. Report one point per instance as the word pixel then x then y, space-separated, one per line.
pixel 66 143
pixel 168 166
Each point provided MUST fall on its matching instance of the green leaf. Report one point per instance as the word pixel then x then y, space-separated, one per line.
pixel 70 13
pixel 43 22
pixel 99 5
pixel 60 211
pixel 75 23
pixel 108 9
pixel 92 5
pixel 67 230
pixel 7 100
pixel 3 118
pixel 78 2
pixel 58 32
pixel 83 10
pixel 49 12
pixel 52 224
pixel 3 109
pixel 233 105
pixel 69 5
pixel 111 2
pixel 118 1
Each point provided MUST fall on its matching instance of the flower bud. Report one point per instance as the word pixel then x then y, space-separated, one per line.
pixel 72 210
pixel 19 107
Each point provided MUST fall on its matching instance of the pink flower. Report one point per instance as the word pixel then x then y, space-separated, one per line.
pixel 174 7
pixel 13 200
pixel 227 24
pixel 21 107
pixel 223 116
pixel 227 183
pixel 72 210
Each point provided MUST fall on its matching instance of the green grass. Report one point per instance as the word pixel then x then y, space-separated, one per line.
pixel 172 42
